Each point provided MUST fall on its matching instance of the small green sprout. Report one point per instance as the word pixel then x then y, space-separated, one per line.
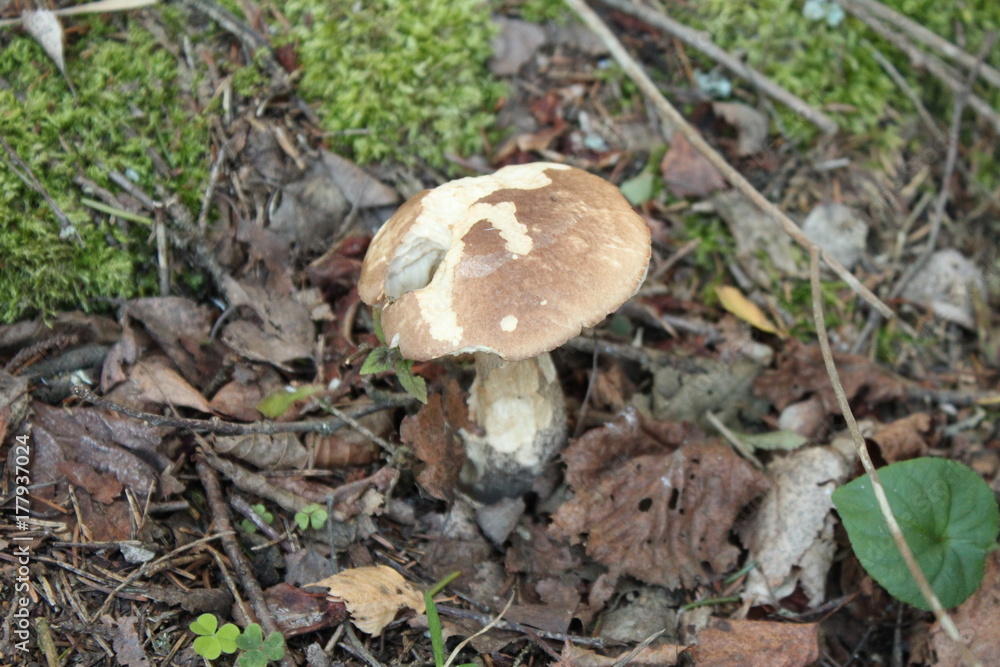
pixel 262 512
pixel 385 359
pixel 257 651
pixel 213 641
pixel 311 515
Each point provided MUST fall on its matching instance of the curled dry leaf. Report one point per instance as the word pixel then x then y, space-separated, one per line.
pixel 656 500
pixel 373 595
pixel 160 384
pixel 278 451
pixel 751 126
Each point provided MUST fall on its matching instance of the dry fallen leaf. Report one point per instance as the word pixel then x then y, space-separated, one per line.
pixel 373 595
pixel 660 656
pixel 687 172
pixel 757 644
pixel 801 372
pixel 432 435
pixel 760 243
pixel 979 618
pixel 733 300
pixel 45 28
pixel 903 439
pixel 656 500
pixel 791 536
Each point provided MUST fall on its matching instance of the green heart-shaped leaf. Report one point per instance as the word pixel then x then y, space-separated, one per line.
pixel 948 516
pixel 206 625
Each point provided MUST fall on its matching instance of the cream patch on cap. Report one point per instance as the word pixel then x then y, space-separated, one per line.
pixel 456 207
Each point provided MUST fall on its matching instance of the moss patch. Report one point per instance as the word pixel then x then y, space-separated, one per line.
pixel 397 79
pixel 127 103
pixel 830 66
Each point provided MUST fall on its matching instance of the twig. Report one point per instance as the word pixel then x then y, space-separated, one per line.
pixel 360 428
pixel 907 89
pixel 937 215
pixel 510 626
pixel 703 43
pixel 925 36
pixel 734 177
pixel 944 73
pixel 625 659
pixel 244 571
pixel 859 442
pixel 17 165
pixel 322 426
pixel 733 440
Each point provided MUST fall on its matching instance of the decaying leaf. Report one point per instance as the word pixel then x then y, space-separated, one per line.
pixel 757 644
pixel 432 433
pixel 125 639
pixel 801 372
pixel 656 500
pixel 687 172
pixel 791 537
pixel 281 451
pixel 838 230
pixel 979 618
pixel 373 595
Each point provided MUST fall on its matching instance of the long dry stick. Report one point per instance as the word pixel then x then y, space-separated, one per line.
pixel 866 462
pixel 703 43
pixel 734 177
pixel 925 36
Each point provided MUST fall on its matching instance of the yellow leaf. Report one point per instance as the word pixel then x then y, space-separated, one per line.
pixel 373 595
pixel 745 309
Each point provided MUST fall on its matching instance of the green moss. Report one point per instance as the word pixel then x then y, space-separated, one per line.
pixel 830 67
pixel 127 103
pixel 397 79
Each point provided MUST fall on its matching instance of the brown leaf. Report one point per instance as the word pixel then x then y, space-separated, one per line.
pixel 281 451
pixel 801 372
pixel 903 439
pixel 13 402
pixel 654 506
pixel 281 333
pixel 757 644
pixel 432 433
pixel 373 595
pixel 978 617
pixel 81 435
pixel 298 612
pixel 349 447
pixel 128 648
pixel 104 488
pixel 687 172
pixel 160 384
pixel 180 327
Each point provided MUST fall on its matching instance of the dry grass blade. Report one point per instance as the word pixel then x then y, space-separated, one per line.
pixel 859 442
pixel 92 8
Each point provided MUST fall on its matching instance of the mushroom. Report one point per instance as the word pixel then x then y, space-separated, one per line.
pixel 506 267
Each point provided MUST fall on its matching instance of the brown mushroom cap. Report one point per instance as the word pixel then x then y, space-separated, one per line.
pixel 513 263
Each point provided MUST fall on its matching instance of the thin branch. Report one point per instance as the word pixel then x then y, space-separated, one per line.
pixel 702 42
pixel 859 443
pixel 938 68
pixel 925 36
pixel 322 426
pixel 734 177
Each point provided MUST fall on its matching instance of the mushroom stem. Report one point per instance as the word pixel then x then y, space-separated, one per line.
pixel 519 409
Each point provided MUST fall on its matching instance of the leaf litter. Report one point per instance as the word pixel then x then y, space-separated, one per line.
pixel 644 511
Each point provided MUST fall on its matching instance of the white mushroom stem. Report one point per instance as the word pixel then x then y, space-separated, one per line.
pixel 519 409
